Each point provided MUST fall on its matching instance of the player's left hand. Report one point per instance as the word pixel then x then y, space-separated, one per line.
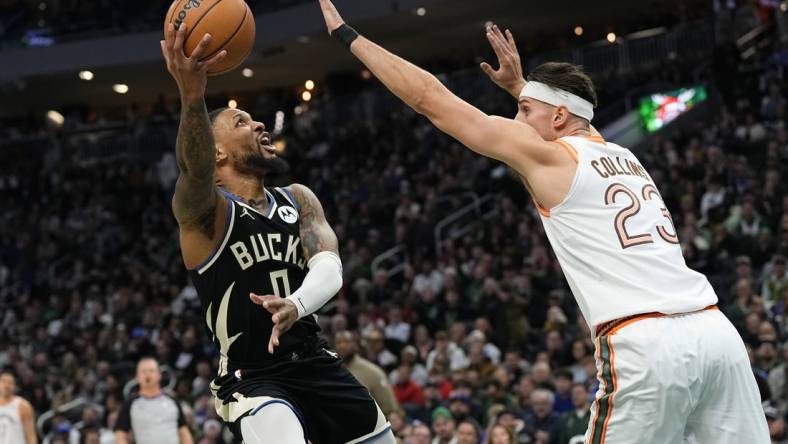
pixel 509 75
pixel 331 15
pixel 284 315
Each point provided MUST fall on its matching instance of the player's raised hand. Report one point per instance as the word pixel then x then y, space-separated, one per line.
pixel 509 74
pixel 331 15
pixel 284 315
pixel 190 73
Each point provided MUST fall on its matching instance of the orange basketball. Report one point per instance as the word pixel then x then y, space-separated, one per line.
pixel 230 23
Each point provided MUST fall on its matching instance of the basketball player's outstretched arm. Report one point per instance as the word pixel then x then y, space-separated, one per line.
pixel 515 143
pixel 196 200
pixel 324 279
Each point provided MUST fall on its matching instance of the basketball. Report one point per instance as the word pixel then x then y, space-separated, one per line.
pixel 230 23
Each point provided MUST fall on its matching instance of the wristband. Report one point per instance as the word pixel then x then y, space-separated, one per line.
pixel 345 34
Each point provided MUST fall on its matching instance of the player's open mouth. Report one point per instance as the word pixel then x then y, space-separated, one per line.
pixel 265 143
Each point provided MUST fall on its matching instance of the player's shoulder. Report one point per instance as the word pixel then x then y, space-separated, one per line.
pixel 131 399
pixel 24 404
pixel 302 195
pixel 171 398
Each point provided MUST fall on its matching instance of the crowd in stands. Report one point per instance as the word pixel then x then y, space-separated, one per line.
pixel 477 337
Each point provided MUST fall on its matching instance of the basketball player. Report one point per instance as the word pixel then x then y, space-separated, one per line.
pixel 16 414
pixel 672 368
pixel 263 260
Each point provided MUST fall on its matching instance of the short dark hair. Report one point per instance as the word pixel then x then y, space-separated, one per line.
pixel 215 113
pixel 566 76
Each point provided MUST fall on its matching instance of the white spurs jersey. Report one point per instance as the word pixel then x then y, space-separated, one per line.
pixel 615 240
pixel 11 430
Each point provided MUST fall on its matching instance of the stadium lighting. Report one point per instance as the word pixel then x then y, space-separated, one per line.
pixel 310 85
pixel 232 104
pixel 120 88
pixel 421 12
pixel 279 122
pixel 307 96
pixel 578 31
pixel 611 37
pixel 55 117
pixel 247 72
pixel 86 75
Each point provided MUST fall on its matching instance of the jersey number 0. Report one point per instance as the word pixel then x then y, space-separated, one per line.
pixel 276 276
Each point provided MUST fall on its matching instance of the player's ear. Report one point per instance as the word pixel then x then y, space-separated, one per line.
pixel 560 116
pixel 221 154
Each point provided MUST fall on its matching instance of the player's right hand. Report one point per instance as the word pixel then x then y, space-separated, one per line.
pixel 189 72
pixel 509 75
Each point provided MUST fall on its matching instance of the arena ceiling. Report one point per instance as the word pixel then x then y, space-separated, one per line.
pixel 449 27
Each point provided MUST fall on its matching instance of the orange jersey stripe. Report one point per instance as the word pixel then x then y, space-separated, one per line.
pixel 569 149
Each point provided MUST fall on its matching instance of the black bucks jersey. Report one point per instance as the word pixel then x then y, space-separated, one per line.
pixel 261 254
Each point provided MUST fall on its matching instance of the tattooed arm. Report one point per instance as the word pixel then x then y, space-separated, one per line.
pixel 324 278
pixel 316 233
pixel 196 201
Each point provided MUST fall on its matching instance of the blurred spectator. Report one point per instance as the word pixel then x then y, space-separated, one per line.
pixel 776 422
pixel 777 379
pixel 542 418
pixel 368 374
pixel 468 432
pixel 499 434
pixel 409 394
pixel 443 426
pixel 573 424
pixel 563 395
pixel 376 350
pixel 775 281
pixel 421 435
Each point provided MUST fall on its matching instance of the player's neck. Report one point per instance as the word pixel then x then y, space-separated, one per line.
pixel 576 129
pixel 250 189
pixel 6 399
pixel 150 392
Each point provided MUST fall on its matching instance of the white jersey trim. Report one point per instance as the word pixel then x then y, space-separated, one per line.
pixel 287 197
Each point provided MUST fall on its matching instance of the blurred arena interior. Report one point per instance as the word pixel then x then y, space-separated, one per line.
pixel 437 292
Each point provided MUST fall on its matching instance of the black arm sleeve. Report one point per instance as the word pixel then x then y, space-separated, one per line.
pixel 123 424
pixel 181 418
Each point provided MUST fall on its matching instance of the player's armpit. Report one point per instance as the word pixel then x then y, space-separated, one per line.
pixel 194 209
pixel 316 234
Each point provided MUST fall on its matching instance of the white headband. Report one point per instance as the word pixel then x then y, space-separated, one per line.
pixel 558 97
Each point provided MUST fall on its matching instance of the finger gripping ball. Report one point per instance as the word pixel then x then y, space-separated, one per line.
pixel 230 23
